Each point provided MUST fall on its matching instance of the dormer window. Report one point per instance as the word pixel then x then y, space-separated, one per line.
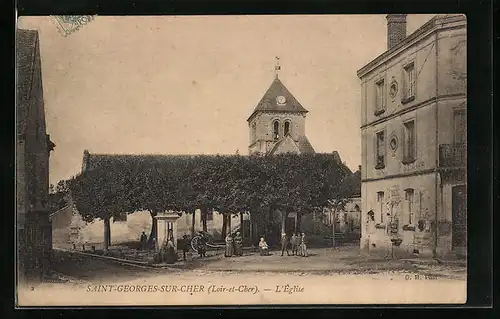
pixel 287 128
pixel 276 130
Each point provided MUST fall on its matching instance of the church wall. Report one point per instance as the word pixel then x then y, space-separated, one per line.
pixel 265 121
pixel 287 147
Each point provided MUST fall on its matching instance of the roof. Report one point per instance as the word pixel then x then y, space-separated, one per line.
pixel 61 209
pixel 303 145
pixel 437 22
pixel 351 185
pixel 91 161
pixel 268 102
pixel 27 51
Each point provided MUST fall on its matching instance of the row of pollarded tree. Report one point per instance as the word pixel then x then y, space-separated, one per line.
pixel 228 184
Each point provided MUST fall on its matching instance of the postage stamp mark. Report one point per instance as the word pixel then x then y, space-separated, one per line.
pixel 68 24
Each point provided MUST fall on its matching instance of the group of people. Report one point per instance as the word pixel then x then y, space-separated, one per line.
pixel 297 242
pixel 234 245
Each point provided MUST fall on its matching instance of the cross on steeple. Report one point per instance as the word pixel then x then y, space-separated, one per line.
pixel 277 67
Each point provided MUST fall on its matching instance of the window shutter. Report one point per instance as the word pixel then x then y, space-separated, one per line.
pixel 413 80
pixel 406 211
pixel 382 94
pixel 417 209
pixel 375 149
pixel 414 142
pixel 403 142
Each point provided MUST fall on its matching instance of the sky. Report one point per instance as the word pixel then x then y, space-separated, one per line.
pixel 187 84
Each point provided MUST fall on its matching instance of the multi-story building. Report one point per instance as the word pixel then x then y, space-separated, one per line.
pixel 413 128
pixel 33 148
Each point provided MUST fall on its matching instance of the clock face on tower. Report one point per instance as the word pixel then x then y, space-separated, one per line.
pixel 281 100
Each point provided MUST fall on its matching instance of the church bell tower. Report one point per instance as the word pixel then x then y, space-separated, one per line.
pixel 277 124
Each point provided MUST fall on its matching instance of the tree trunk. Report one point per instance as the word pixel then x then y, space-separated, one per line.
pixel 229 223
pixel 107 233
pixel 204 213
pixel 333 227
pixel 193 222
pixel 284 215
pixel 224 227
pixel 154 230
pixel 252 228
pixel 299 221
pixel 242 228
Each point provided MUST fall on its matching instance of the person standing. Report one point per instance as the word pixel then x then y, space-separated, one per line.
pixel 294 244
pixel 185 246
pixel 238 245
pixel 144 240
pixel 263 248
pixel 229 246
pixel 153 242
pixel 202 245
pixel 284 244
pixel 303 245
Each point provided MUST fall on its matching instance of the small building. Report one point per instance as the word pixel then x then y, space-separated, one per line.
pixel 33 147
pixel 414 139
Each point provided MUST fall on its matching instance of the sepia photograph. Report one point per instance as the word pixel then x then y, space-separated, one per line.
pixel 211 160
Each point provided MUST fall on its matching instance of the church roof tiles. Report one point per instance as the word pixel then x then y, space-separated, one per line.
pixel 270 104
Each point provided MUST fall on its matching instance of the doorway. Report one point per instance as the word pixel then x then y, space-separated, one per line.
pixel 459 216
pixel 290 226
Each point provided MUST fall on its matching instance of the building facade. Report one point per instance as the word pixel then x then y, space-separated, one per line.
pixel 413 128
pixel 33 148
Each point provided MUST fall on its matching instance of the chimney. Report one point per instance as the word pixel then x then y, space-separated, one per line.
pixel 396 29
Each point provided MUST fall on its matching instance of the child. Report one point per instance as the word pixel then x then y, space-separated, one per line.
pixel 263 248
pixel 229 246
pixel 303 246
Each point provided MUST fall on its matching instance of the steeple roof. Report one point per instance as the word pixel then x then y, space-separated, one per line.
pixel 268 103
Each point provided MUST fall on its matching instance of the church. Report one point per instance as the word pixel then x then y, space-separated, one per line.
pixel 277 124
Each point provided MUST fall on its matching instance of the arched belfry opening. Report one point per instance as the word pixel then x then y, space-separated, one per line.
pixel 286 129
pixel 276 130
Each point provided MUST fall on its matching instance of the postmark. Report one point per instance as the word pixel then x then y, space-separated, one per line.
pixel 68 24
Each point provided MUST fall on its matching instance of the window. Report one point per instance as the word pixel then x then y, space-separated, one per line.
pixel 287 128
pixel 380 97
pixel 409 150
pixel 254 131
pixel 459 127
pixel 380 201
pixel 380 150
pixel 409 83
pixel 409 205
pixel 276 130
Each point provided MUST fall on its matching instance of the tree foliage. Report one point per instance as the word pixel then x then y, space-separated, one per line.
pixel 228 184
